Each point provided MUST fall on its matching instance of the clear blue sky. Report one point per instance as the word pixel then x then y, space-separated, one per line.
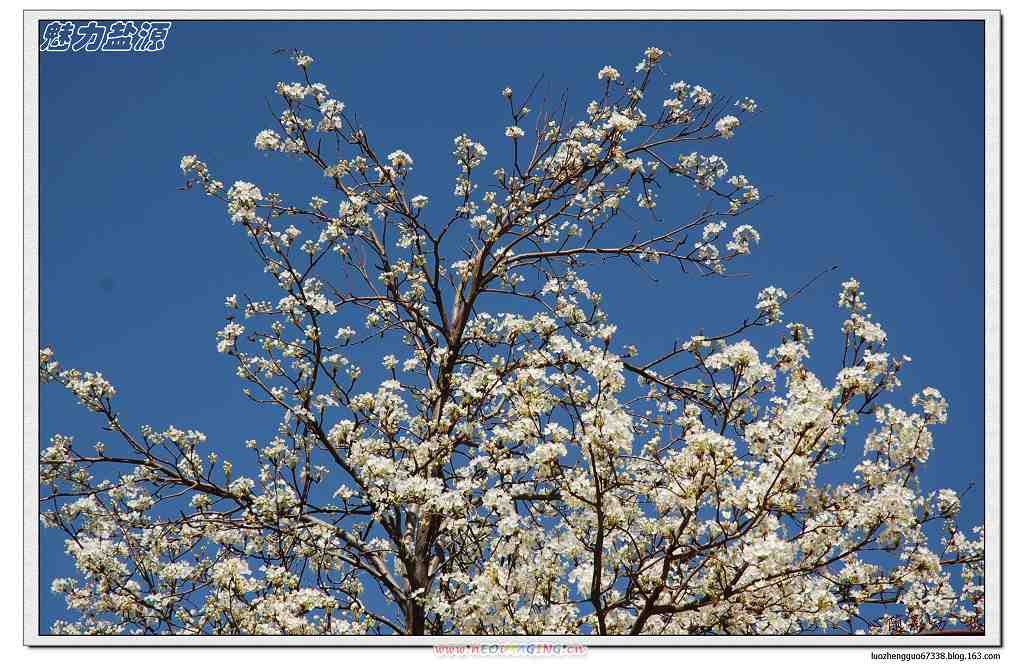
pixel 870 147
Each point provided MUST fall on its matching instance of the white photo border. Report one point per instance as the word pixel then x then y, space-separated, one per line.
pixel 993 636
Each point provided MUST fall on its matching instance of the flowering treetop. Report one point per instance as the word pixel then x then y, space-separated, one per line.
pixel 513 473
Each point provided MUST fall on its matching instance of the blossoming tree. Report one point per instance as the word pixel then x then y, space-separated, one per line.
pixel 516 472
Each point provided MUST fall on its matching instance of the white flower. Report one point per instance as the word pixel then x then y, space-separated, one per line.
pixel 230 572
pixel 653 54
pixel 769 303
pixel 400 159
pixel 468 153
pixel 621 123
pixel 330 110
pixel 608 72
pixel 851 297
pixel 726 126
pixel 268 140
pixel 514 132
pixel 293 91
pixel 242 199
pixel 949 501
pixel 747 104
pixel 701 96
pixel 742 237
pixel 228 335
pixel 932 404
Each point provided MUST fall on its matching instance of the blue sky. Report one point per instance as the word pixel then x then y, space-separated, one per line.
pixel 870 147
